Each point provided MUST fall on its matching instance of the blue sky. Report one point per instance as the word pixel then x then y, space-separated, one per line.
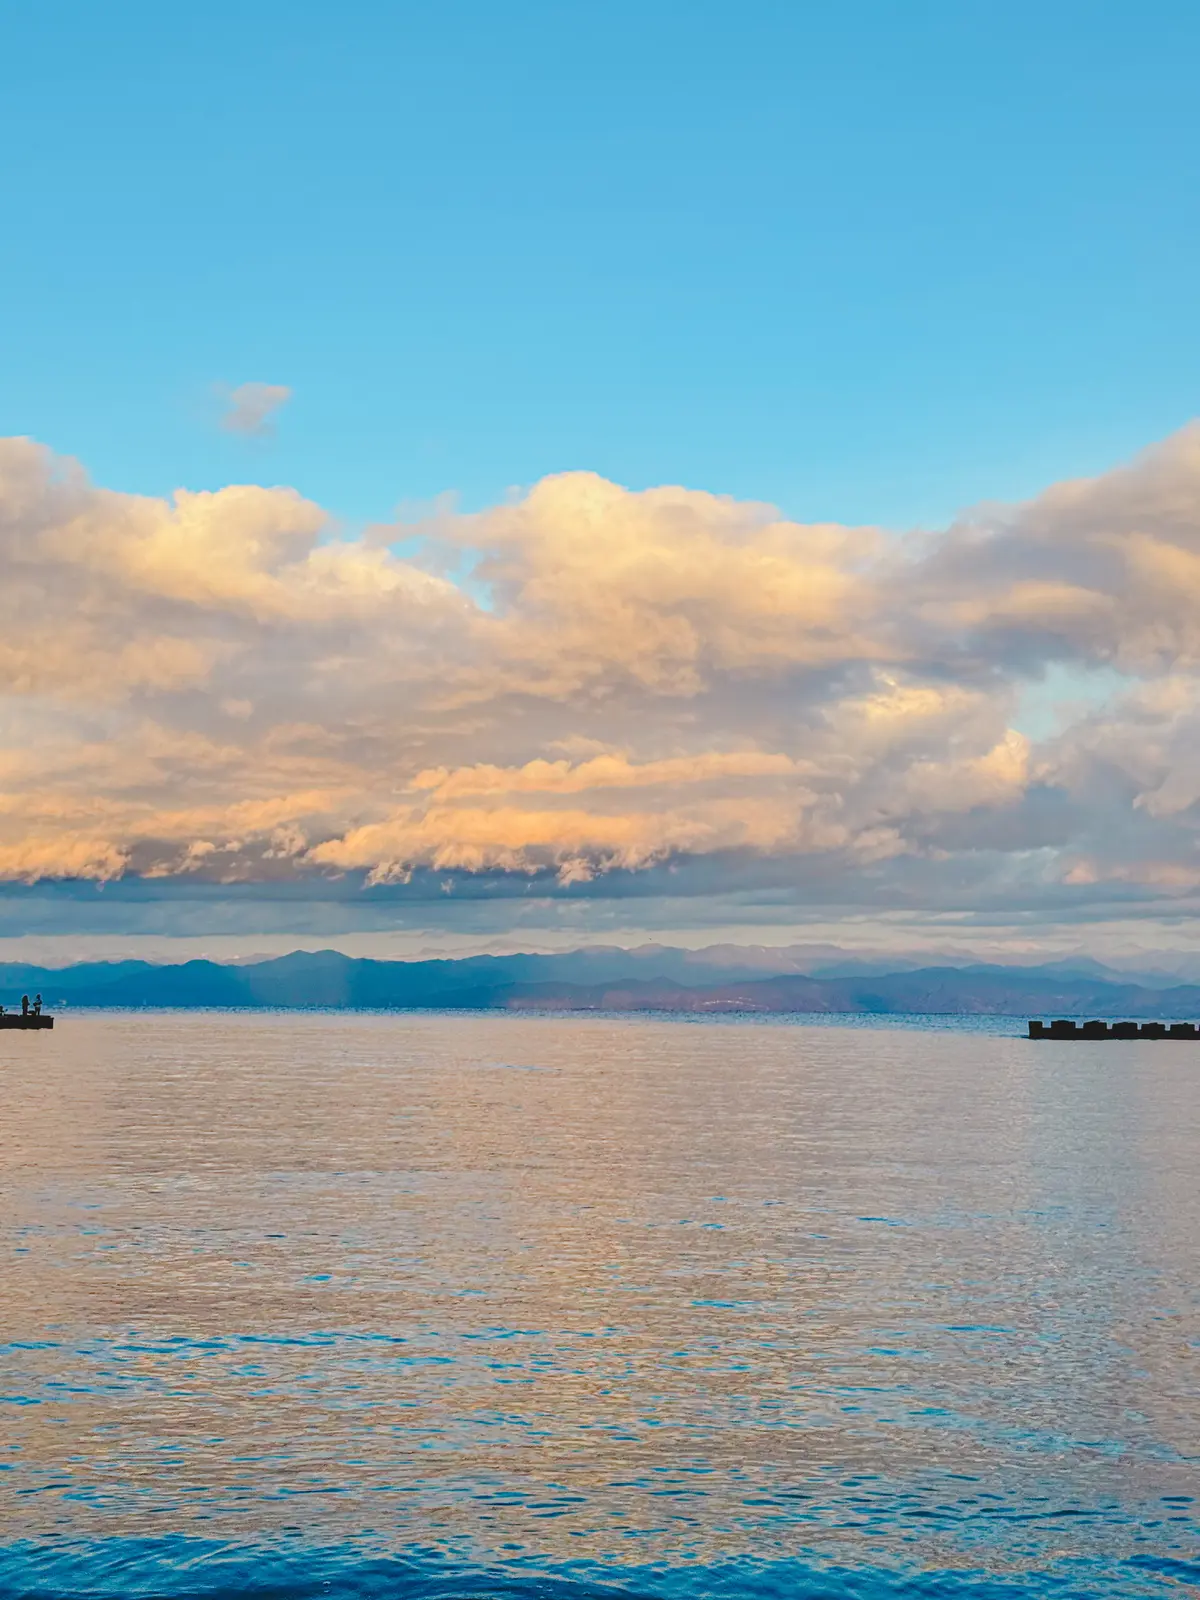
pixel 869 261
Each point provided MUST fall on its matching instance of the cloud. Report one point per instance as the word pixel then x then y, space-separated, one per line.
pixel 660 692
pixel 252 408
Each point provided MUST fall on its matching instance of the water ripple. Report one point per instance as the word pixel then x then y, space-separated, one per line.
pixel 309 1304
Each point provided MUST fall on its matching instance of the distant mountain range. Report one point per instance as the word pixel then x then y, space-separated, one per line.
pixel 651 979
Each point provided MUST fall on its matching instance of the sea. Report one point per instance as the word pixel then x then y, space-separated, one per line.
pixel 456 1305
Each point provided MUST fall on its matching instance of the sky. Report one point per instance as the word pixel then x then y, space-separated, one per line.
pixel 481 475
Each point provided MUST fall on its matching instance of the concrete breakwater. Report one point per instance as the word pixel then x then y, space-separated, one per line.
pixel 1064 1028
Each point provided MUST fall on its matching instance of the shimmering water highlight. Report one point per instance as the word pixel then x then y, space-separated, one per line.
pixel 450 1304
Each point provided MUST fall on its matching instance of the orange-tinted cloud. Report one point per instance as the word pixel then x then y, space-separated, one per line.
pixel 219 684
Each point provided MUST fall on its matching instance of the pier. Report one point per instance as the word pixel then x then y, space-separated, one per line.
pixel 1064 1028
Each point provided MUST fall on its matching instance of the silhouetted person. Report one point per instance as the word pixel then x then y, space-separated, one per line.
pixel 37 1005
pixel 24 1005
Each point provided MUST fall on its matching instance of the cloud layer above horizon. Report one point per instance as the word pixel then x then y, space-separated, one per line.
pixel 589 684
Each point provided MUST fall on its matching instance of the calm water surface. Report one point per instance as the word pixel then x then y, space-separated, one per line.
pixel 457 1305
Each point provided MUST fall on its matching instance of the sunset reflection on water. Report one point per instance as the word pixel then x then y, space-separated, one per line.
pixel 601 1291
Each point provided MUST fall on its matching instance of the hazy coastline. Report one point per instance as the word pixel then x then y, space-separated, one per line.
pixel 661 981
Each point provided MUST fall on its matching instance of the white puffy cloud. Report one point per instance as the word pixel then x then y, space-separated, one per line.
pixel 219 686
pixel 1101 570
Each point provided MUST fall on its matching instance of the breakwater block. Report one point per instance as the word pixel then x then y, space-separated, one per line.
pixel 15 1019
pixel 1064 1028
